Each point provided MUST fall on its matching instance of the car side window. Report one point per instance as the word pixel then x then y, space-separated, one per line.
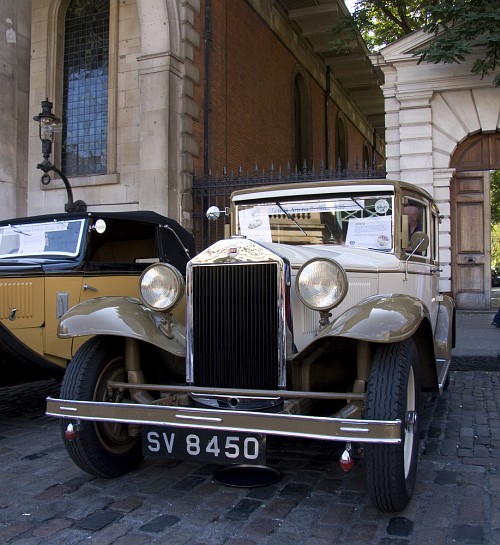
pixel 418 214
pixel 124 244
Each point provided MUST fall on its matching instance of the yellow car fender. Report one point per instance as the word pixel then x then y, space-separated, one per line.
pixel 124 317
pixel 380 318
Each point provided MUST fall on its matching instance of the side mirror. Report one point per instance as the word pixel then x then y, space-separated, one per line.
pixel 99 226
pixel 213 213
pixel 419 241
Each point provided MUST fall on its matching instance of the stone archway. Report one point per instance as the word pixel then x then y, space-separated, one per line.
pixel 473 159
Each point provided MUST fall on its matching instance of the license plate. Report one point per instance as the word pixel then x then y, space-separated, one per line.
pixel 217 447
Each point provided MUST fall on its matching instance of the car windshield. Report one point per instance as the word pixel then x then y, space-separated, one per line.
pixel 61 238
pixel 359 221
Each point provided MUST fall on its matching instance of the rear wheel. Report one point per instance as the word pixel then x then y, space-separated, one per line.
pixel 393 393
pixel 104 449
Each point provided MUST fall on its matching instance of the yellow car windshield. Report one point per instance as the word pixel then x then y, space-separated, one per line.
pixel 55 238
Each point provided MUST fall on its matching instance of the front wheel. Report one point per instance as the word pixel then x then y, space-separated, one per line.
pixel 393 393
pixel 104 449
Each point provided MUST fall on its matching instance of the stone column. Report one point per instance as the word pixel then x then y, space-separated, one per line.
pixel 15 23
pixel 159 80
pixel 415 119
pixel 166 78
pixel 442 180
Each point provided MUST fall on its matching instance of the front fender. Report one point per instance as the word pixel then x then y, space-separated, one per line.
pixel 380 319
pixel 123 317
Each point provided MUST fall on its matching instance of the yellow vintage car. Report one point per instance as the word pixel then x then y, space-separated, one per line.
pixel 50 263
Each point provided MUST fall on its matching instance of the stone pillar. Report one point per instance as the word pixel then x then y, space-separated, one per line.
pixel 415 119
pixel 159 81
pixel 442 180
pixel 167 110
pixel 15 22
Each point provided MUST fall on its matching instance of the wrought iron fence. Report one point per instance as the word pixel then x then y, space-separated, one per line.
pixel 210 190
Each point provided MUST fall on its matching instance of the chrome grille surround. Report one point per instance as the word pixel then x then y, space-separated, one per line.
pixel 236 331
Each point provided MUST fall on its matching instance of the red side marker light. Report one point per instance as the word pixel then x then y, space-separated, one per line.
pixel 70 432
pixel 346 462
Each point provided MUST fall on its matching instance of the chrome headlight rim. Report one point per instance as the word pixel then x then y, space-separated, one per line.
pixel 172 277
pixel 343 284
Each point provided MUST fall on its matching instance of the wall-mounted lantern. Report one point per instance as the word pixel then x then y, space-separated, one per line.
pixel 48 125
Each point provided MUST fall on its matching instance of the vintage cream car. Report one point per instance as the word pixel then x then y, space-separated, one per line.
pixel 50 263
pixel 320 317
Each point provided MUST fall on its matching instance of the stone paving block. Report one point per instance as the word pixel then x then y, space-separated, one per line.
pixel 51 527
pixel 241 541
pixel 295 490
pixel 159 524
pixel 471 510
pixel 363 533
pixel 400 526
pixel 179 535
pixel 98 520
pixel 15 529
pixel 338 514
pixel 243 509
pixel 285 538
pixel 127 504
pixel 260 527
pixel 465 533
pixel 108 535
pixel 134 539
pixel 279 508
pixel 481 451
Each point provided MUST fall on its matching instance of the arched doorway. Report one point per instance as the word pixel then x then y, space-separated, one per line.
pixel 470 211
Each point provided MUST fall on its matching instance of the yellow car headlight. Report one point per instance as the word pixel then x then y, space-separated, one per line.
pixel 321 284
pixel 161 287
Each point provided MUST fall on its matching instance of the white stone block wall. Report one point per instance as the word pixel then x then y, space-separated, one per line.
pixel 430 110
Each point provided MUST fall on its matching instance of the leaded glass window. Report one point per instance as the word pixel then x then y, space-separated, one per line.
pixel 85 88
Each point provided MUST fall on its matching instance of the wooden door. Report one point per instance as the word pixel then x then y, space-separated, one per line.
pixel 471 240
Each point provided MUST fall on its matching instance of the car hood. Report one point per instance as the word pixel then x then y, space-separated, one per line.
pixel 349 258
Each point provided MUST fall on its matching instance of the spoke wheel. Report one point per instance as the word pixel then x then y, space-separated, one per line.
pixel 393 392
pixel 104 449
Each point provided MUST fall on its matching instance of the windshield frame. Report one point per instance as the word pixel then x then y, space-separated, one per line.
pixel 353 212
pixel 40 245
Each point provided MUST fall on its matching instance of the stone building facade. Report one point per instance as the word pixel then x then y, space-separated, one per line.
pixel 200 85
pixel 15 32
pixel 443 134
pixel 195 86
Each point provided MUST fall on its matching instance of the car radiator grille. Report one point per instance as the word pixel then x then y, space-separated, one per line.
pixel 235 325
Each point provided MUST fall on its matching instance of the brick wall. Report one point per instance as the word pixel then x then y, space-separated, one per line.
pixel 251 91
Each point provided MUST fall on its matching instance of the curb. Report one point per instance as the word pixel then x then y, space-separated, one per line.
pixel 475 363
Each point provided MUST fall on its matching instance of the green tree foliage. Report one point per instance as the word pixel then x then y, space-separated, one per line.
pixel 495 218
pixel 461 28
pixel 495 196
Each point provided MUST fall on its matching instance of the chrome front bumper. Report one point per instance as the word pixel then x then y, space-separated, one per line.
pixel 311 427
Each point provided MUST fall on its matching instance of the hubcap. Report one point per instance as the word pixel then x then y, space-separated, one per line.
pixel 411 419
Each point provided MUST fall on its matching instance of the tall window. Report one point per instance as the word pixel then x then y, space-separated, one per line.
pixel 341 143
pixel 302 122
pixel 367 157
pixel 85 88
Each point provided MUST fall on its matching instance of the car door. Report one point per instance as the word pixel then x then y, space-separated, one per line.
pixel 422 265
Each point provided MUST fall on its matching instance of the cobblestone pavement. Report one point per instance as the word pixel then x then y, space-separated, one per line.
pixel 46 499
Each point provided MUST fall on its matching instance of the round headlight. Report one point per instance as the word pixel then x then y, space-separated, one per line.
pixel 161 286
pixel 321 284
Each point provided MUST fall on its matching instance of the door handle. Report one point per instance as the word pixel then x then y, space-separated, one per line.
pixel 90 288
